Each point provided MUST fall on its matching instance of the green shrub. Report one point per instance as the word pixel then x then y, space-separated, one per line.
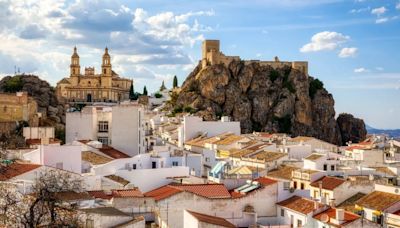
pixel 273 75
pixel 158 95
pixel 13 85
pixel 315 85
pixel 189 109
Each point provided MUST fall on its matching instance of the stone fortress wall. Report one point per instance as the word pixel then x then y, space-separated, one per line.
pixel 212 55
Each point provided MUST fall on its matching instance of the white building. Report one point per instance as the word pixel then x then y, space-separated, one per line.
pixel 120 126
pixel 194 126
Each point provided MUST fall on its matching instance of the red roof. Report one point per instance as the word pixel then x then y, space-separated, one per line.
pixel 299 204
pixel 351 148
pixel 15 169
pixel 100 195
pixel 331 213
pixel 163 192
pixel 127 193
pixel 328 183
pixel 211 219
pixel 264 181
pixel 214 191
pixel 114 153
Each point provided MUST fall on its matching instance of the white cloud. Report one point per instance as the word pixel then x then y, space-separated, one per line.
pixel 398 6
pixel 360 10
pixel 361 70
pixel 381 20
pixel 325 41
pixel 379 11
pixel 348 52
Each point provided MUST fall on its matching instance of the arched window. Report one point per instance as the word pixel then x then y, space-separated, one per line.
pixel 5 109
pixel 105 71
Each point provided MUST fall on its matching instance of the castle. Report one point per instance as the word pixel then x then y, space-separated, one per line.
pixel 91 87
pixel 212 55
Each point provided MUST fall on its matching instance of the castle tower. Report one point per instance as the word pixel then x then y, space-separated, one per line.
pixel 106 70
pixel 75 68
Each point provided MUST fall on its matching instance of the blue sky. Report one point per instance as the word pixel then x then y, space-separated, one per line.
pixel 353 46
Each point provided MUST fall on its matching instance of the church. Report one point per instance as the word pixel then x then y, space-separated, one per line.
pixel 106 86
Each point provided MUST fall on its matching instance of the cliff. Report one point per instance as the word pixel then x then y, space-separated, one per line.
pixel 266 99
pixel 42 92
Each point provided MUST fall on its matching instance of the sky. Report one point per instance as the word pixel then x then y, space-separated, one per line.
pixel 353 46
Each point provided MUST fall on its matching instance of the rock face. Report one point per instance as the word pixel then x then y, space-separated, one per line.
pixel 263 99
pixel 352 129
pixel 42 92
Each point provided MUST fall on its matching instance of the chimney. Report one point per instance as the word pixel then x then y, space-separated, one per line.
pixel 339 215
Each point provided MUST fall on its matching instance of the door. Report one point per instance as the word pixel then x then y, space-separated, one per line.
pixel 89 97
pixel 153 165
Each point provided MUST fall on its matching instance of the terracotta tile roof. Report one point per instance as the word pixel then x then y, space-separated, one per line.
pixel 396 212
pixel 100 195
pixel 378 200
pixel 349 203
pixel 95 159
pixel 229 140
pixel 351 148
pixel 236 195
pixel 268 156
pixel 15 169
pixel 282 172
pixel 331 213
pixel 301 139
pixel 299 204
pixel 127 193
pixel 71 196
pixel 265 181
pixel 163 192
pixel 211 219
pixel 117 179
pixel 384 170
pixel 328 183
pixel 206 190
pixel 212 191
pixel 114 153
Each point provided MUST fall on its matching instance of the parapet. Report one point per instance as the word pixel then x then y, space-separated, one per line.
pixel 89 70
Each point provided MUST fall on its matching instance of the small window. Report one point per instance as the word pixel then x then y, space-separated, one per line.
pixel 282 213
pixel 207 159
pixel 302 186
pixel 105 71
pixel 153 165
pixel 332 167
pixel 174 163
pixel 325 167
pixel 103 126
pixel 103 140
pixel 295 185
pixel 286 185
pixel 299 223
pixel 133 166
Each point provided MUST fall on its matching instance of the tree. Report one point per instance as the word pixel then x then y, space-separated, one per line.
pixel 131 93
pixel 144 91
pixel 162 87
pixel 45 205
pixel 175 82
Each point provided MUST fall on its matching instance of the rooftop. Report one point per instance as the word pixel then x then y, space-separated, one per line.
pixel 379 201
pixel 328 183
pixel 105 211
pixel 15 169
pixel 282 172
pixel 95 159
pixel 349 204
pixel 114 153
pixel 117 179
pixel 299 204
pixel 331 213
pixel 314 157
pixel 268 156
pixel 211 219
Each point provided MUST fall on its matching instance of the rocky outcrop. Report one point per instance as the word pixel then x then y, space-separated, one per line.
pixel 42 92
pixel 262 99
pixel 351 128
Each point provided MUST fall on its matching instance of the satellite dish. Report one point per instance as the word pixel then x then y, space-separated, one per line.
pixel 324 218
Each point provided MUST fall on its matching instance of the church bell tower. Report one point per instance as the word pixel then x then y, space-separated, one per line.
pixel 75 68
pixel 106 70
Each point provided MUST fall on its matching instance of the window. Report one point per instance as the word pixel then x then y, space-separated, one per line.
pixel 332 167
pixel 302 186
pixel 286 185
pixel 299 223
pixel 103 126
pixel 153 165
pixel 133 166
pixel 89 223
pixel 105 71
pixel 295 185
pixel 103 140
pixel 325 167
pixel 174 163
pixel 315 194
pixel 282 213
pixel 207 159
